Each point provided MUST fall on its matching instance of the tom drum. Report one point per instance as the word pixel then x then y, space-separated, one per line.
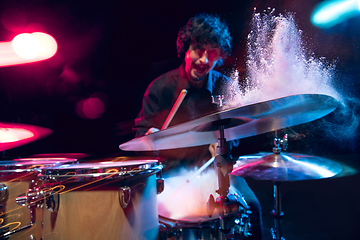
pixel 102 200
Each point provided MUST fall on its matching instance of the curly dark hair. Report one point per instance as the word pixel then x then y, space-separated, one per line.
pixel 204 29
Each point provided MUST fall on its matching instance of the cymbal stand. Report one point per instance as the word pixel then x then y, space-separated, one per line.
pixel 228 205
pixel 276 232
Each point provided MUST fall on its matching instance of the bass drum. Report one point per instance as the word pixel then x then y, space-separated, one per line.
pixel 17 221
pixel 182 208
pixel 102 200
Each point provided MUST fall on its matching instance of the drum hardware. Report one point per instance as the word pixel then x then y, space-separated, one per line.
pixel 39 197
pixel 124 196
pixel 4 193
pixel 32 237
pixel 280 143
pixel 31 199
pixel 20 177
pixel 160 182
pixel 278 214
pixel 218 100
pixel 160 185
pixel 276 231
pixel 232 225
pixel 125 192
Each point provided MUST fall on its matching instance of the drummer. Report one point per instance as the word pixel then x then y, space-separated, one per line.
pixel 202 44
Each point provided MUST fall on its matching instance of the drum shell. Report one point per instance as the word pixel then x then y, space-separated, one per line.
pixel 94 211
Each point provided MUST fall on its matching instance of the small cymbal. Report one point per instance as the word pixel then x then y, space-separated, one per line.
pixel 242 122
pixel 285 167
pixel 15 134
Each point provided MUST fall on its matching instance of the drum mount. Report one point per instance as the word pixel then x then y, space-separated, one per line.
pixel 34 198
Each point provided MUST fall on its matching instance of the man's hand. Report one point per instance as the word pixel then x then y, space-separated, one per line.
pixel 213 149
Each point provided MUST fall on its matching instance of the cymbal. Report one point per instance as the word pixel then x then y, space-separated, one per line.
pixel 242 122
pixel 285 167
pixel 16 134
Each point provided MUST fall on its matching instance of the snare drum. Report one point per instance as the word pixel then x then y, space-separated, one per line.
pixel 15 180
pixel 102 200
pixel 182 207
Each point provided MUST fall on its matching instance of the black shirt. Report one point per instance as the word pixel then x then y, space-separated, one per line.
pixel 163 92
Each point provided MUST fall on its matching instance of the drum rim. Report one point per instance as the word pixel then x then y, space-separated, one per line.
pixel 101 172
pixel 188 224
pixel 25 166
pixel 97 165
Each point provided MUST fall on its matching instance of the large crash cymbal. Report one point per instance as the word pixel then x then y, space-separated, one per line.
pixel 242 122
pixel 285 167
pixel 16 134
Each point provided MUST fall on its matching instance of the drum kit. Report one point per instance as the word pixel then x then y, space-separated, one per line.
pixel 117 198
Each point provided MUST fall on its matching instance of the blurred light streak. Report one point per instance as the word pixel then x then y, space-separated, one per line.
pixel 114 171
pixel 329 13
pixel 27 48
pixel 9 135
pixel 15 134
pixel 8 228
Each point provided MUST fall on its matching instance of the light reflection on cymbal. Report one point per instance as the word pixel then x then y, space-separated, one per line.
pixel 285 167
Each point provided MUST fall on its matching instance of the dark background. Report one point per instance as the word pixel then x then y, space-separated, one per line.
pixel 113 48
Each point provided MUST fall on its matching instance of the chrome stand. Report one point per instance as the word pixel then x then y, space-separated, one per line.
pixel 276 232
pixel 233 223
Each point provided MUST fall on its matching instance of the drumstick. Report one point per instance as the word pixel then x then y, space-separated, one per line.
pixel 197 173
pixel 174 109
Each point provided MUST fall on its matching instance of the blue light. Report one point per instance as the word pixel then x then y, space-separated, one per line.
pixel 329 13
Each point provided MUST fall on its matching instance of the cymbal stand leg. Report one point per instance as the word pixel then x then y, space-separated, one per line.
pixel 276 232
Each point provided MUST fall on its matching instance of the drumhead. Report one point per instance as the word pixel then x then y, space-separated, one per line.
pixel 184 200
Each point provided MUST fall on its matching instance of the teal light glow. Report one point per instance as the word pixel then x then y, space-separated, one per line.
pixel 329 13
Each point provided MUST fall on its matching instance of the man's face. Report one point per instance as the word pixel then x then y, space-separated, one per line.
pixel 198 63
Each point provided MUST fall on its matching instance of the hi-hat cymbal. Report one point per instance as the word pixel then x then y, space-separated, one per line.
pixel 16 134
pixel 285 167
pixel 245 121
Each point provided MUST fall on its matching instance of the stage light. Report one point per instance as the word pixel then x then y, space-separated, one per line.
pixel 329 13
pixel 48 45
pixel 27 48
